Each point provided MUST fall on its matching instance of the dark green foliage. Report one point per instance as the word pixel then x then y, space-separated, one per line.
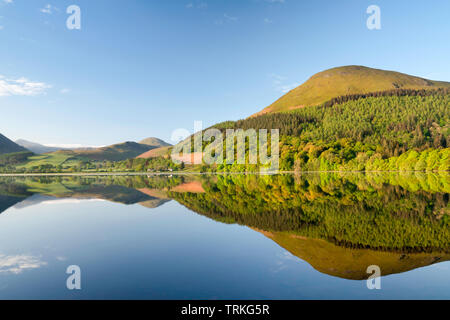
pixel 388 93
pixel 289 124
pixel 393 121
pixel 141 165
pixel 14 158
pixel 392 130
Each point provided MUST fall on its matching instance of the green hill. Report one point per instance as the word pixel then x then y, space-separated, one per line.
pixel 410 132
pixel 363 119
pixel 154 142
pixel 7 146
pixel 116 152
pixel 348 80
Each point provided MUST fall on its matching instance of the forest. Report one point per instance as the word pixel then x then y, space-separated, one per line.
pixel 394 130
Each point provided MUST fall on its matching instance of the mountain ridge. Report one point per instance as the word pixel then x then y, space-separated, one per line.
pixel 115 152
pixel 37 147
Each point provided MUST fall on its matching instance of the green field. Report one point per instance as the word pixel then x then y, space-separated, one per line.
pixel 54 159
pixel 52 188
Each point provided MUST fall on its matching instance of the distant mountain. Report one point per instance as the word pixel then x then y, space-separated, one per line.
pixel 37 147
pixel 110 152
pixel 116 152
pixel 16 193
pixel 8 146
pixel 155 142
pixel 347 80
pixel 33 200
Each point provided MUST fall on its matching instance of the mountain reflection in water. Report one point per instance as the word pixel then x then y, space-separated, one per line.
pixel 338 223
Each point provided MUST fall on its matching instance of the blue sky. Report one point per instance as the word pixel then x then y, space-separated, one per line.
pixel 142 68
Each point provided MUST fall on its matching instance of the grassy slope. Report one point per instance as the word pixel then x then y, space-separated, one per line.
pixel 351 263
pixel 155 153
pixel 347 80
pixel 54 159
pixel 154 142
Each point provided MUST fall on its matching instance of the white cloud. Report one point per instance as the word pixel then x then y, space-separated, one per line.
pixel 8 1
pixel 70 201
pixel 64 91
pixel 199 5
pixel 49 9
pixel 226 18
pixel 230 18
pixel 21 87
pixel 71 146
pixel 1 27
pixel 279 83
pixel 18 263
pixel 267 20
pixel 27 40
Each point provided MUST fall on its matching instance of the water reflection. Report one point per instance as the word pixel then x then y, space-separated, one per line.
pixel 338 223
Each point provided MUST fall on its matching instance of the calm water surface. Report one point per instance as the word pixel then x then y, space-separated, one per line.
pixel 225 237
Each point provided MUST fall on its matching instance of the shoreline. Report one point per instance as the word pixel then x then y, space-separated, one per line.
pixel 121 174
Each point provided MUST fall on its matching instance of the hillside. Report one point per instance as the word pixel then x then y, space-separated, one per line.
pixel 154 142
pixel 116 152
pixel 36 147
pixel 155 153
pixel 347 80
pixel 7 146
pixel 376 133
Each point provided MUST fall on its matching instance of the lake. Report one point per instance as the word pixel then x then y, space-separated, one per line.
pixel 286 236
